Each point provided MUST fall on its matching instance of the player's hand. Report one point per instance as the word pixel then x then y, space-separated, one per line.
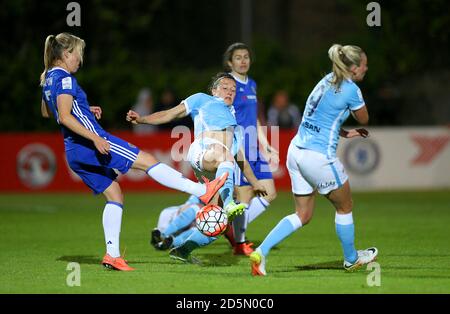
pixel 102 145
pixel 133 117
pixel 259 189
pixel 97 111
pixel 362 132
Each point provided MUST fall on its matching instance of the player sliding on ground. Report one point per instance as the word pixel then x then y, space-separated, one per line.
pixel 175 224
pixel 312 162
pixel 92 153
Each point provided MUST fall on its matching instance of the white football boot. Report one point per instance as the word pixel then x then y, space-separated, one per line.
pixel 364 257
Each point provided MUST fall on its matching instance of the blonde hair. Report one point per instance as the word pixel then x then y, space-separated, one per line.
pixel 343 57
pixel 56 45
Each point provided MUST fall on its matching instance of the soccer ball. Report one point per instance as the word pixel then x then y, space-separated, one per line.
pixel 211 220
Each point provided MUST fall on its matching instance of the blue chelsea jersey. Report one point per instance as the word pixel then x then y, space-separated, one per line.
pixel 246 106
pixel 326 110
pixel 245 103
pixel 57 82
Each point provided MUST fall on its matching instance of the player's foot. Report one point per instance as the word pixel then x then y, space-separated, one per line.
pixel 165 244
pixel 244 248
pixel 177 253
pixel 155 237
pixel 229 234
pixel 364 257
pixel 233 209
pixel 258 263
pixel 116 263
pixel 212 187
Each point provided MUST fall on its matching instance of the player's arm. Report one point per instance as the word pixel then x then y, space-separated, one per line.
pixel 64 104
pixel 45 110
pixel 354 133
pixel 268 149
pixel 160 117
pixel 258 188
pixel 361 115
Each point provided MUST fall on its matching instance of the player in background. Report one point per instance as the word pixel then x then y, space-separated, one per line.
pixel 217 142
pixel 237 60
pixel 93 153
pixel 312 162
pixel 175 223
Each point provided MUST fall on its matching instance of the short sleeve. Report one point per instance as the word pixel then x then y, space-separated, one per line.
pixel 193 102
pixel 66 85
pixel 356 100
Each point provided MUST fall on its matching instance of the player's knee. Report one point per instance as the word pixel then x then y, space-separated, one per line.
pixel 305 216
pixel 114 193
pixel 221 156
pixel 271 196
pixel 144 161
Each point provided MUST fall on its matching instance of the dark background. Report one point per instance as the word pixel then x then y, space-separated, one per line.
pixel 179 43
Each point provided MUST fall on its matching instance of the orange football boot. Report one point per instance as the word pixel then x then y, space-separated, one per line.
pixel 212 187
pixel 243 248
pixel 117 263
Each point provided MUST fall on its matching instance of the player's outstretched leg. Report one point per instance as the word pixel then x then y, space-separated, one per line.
pixel 173 179
pixel 282 230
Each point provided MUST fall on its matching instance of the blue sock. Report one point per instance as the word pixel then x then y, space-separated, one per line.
pixel 226 191
pixel 282 230
pixel 345 230
pixel 181 238
pixel 184 219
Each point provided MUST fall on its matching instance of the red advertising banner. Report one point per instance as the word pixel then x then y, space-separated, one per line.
pixel 36 162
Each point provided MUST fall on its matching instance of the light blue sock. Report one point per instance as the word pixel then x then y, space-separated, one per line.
pixel 199 238
pixel 181 238
pixel 282 230
pixel 345 230
pixel 184 219
pixel 226 191
pixel 196 239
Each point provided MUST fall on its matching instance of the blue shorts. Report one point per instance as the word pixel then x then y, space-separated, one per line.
pixel 260 168
pixel 95 169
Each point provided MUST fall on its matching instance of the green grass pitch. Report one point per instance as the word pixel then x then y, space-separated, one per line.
pixel 41 234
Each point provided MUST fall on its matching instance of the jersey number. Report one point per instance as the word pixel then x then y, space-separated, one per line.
pixel 314 99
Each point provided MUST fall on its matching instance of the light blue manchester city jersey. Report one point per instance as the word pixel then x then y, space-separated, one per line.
pixel 209 113
pixel 325 111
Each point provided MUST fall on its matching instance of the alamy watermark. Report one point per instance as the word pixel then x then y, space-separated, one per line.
pixel 73 279
pixel 374 17
pixel 242 136
pixel 74 17
pixel 374 277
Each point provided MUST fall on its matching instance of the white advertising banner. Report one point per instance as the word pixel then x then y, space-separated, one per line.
pixel 398 158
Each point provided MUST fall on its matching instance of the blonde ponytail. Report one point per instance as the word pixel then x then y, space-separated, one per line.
pixel 48 56
pixel 54 48
pixel 343 57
